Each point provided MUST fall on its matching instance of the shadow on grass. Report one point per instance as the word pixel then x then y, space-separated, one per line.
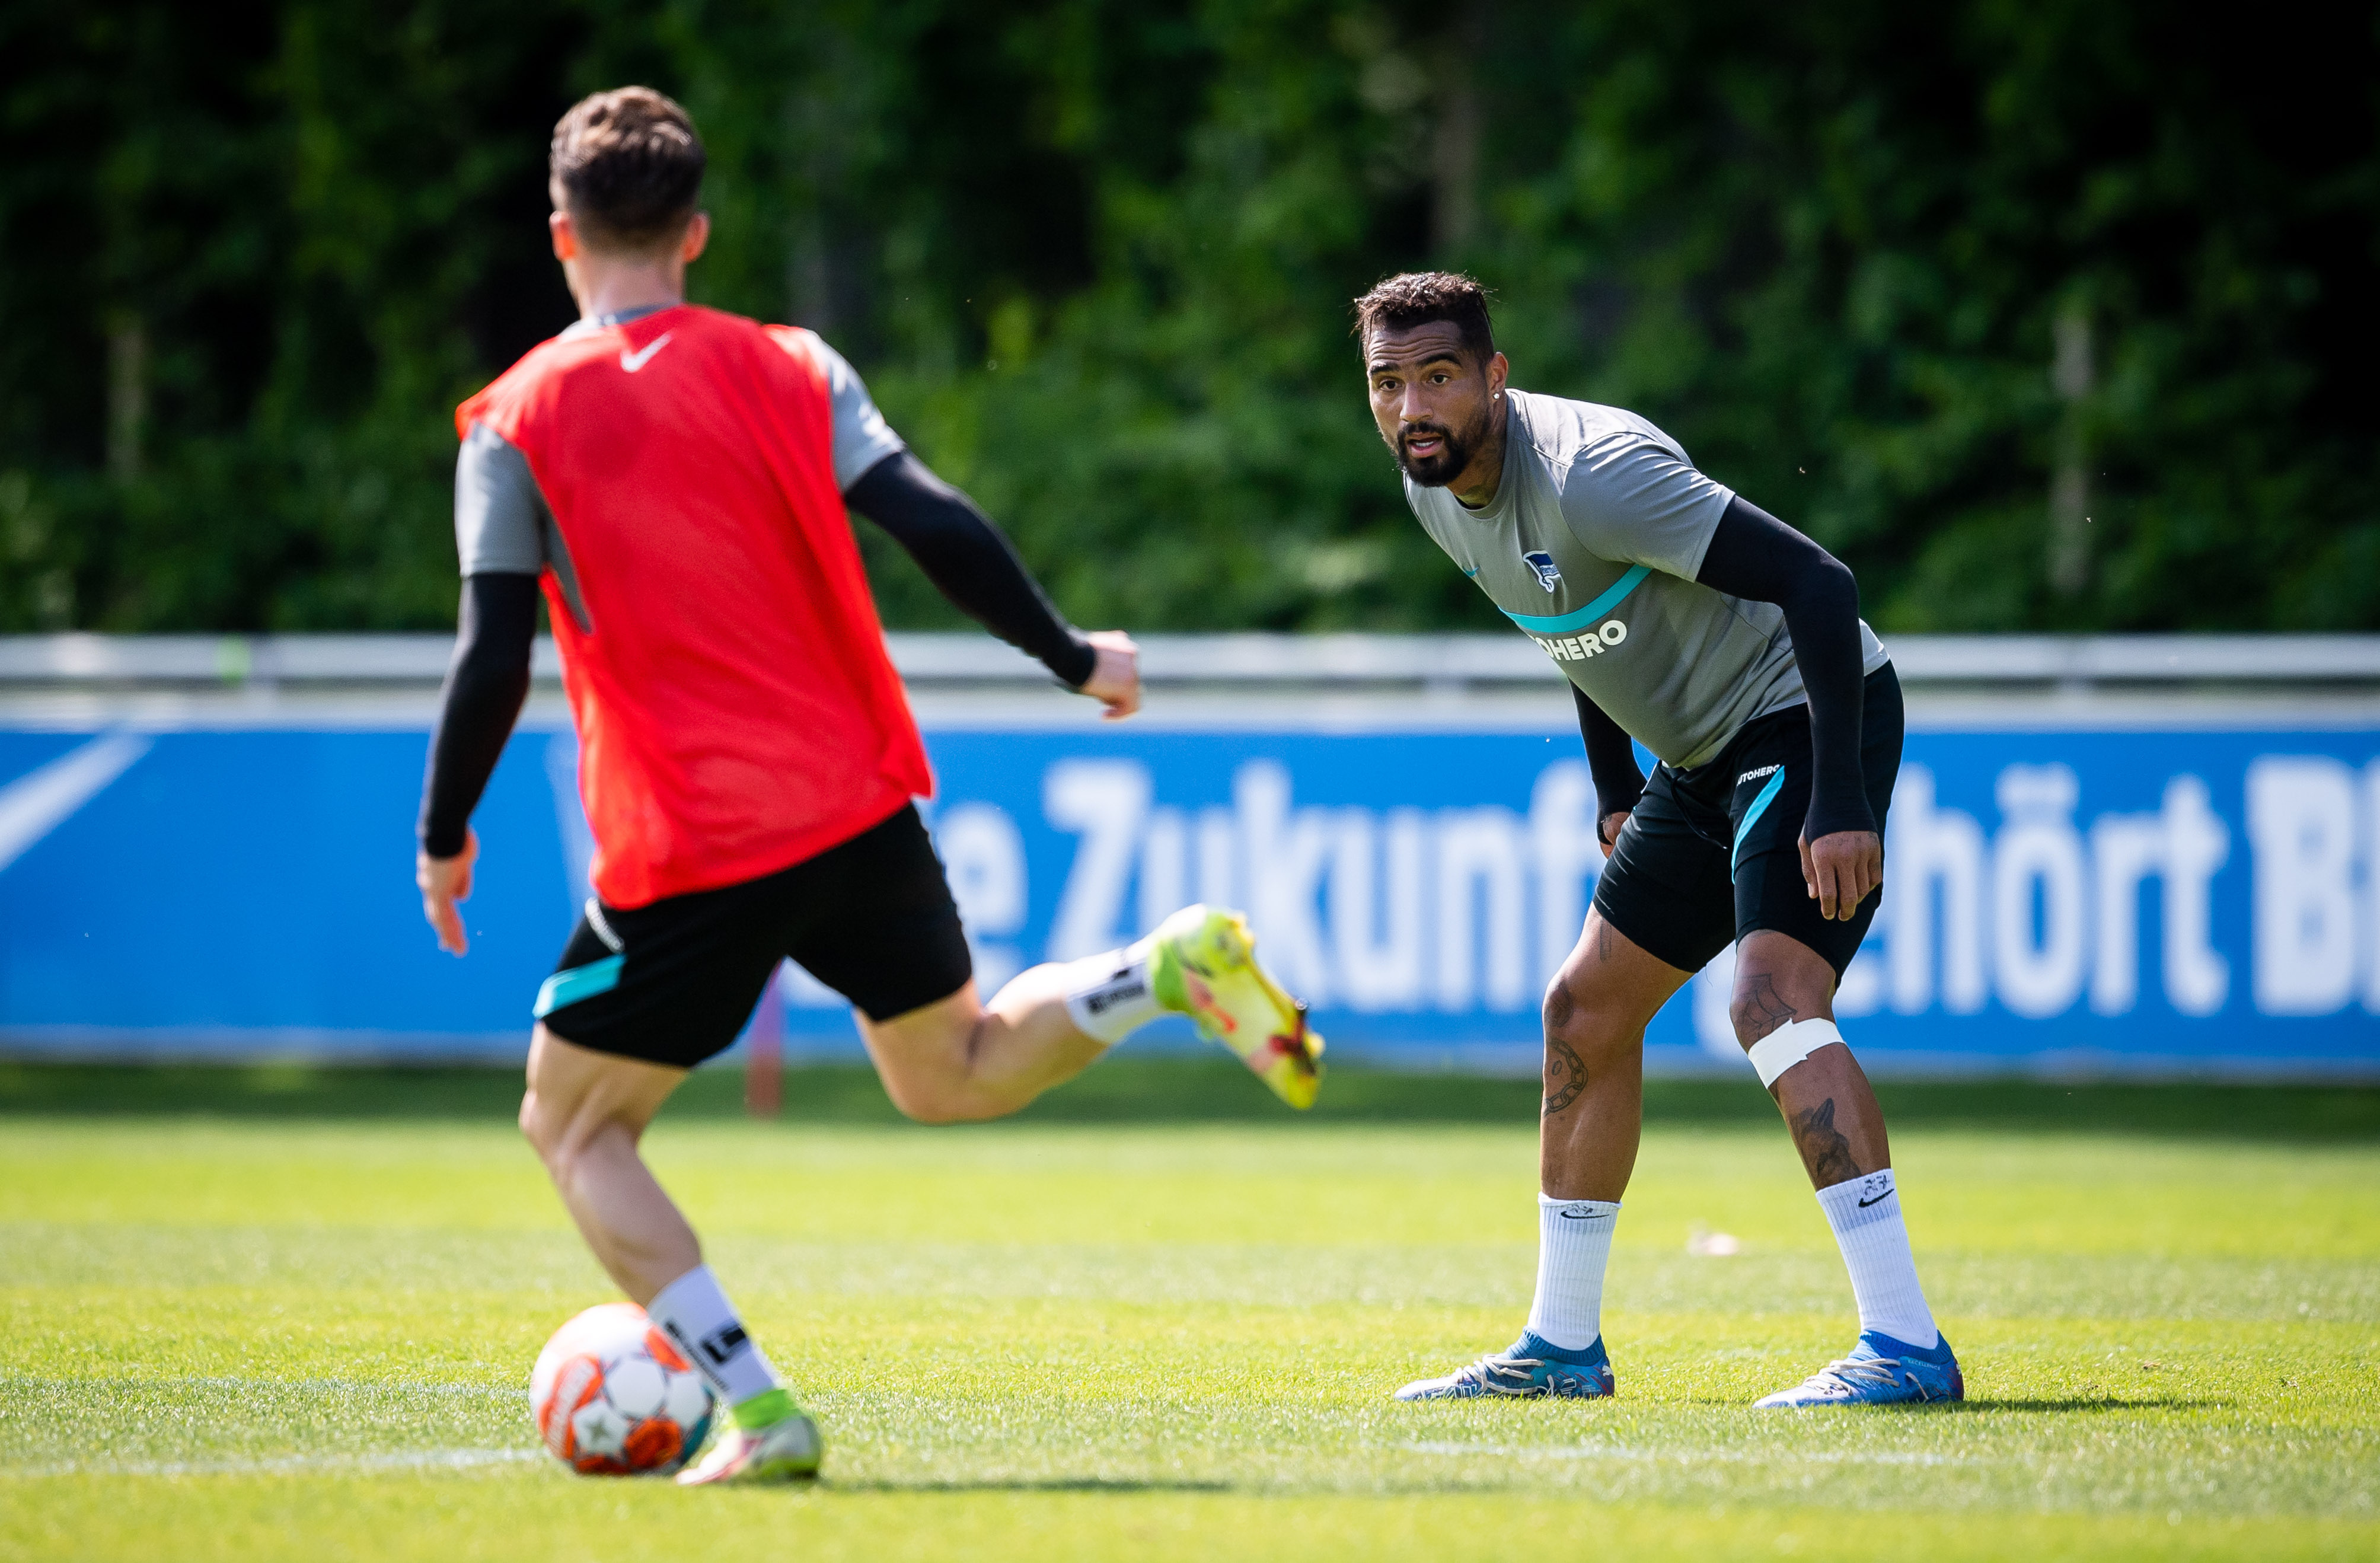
pixel 1197 1090
pixel 1051 1484
pixel 2072 1405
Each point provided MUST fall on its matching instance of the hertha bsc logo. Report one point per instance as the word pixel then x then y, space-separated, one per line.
pixel 1543 564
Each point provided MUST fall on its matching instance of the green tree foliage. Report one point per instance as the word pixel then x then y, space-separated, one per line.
pixel 2043 315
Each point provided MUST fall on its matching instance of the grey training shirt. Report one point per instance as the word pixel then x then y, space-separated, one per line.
pixel 1591 547
pixel 504 527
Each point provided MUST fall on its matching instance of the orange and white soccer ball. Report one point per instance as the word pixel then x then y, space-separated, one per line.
pixel 614 1397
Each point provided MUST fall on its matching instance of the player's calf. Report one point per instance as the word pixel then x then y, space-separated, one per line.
pixel 1596 1012
pixel 584 1112
pixel 1782 1013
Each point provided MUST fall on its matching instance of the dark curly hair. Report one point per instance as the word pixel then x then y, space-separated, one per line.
pixel 1417 297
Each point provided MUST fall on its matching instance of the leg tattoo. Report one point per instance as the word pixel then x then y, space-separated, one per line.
pixel 1761 1008
pixel 1565 1076
pixel 1823 1147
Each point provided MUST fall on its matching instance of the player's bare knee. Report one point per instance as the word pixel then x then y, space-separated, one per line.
pixel 928 1101
pixel 1770 993
pixel 1760 1010
pixel 922 1107
pixel 1583 1021
pixel 561 1132
pixel 1750 1019
pixel 547 1132
pixel 1560 1007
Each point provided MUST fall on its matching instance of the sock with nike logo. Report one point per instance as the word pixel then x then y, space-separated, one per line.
pixel 1110 997
pixel 1573 1245
pixel 1866 1214
pixel 695 1314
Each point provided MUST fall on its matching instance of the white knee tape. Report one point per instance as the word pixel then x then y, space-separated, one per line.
pixel 1788 1045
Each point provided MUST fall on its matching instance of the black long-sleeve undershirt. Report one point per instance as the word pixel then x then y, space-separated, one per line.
pixel 957 545
pixel 1611 758
pixel 969 559
pixel 486 683
pixel 1755 556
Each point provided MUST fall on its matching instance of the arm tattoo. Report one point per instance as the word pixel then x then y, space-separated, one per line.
pixel 1824 1147
pixel 1565 1076
pixel 1760 1008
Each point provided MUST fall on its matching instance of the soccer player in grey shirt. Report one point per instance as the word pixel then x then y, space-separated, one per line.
pixel 1730 646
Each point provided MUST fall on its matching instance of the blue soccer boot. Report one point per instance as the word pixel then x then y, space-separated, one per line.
pixel 1529 1369
pixel 1879 1372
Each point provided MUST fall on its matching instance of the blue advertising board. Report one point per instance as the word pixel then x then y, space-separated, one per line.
pixel 2126 901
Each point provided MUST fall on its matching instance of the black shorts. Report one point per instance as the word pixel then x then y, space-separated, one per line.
pixel 1712 853
pixel 673 983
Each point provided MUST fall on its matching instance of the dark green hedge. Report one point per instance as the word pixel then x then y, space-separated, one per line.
pixel 1095 259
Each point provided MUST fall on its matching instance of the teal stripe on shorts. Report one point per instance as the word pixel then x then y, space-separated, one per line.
pixel 568 987
pixel 1750 818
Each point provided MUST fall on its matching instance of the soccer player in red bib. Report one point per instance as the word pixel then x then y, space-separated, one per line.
pixel 675 479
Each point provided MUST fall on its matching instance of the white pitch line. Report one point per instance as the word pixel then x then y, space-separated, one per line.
pixel 226 1381
pixel 417 1459
pixel 346 1386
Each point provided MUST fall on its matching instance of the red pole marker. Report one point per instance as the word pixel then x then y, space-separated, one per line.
pixel 764 1057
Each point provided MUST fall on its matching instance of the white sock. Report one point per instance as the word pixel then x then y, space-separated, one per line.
pixel 1573 1244
pixel 693 1312
pixel 1109 997
pixel 1866 1214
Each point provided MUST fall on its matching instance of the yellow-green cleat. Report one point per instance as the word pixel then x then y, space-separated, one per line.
pixel 1202 963
pixel 787 1450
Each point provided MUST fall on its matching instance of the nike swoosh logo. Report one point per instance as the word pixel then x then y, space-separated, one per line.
pixel 632 362
pixel 1472 573
pixel 33 805
pixel 1583 1215
pixel 1878 1199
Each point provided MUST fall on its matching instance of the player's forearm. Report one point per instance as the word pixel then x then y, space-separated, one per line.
pixel 1611 758
pixel 1756 556
pixel 486 685
pixel 970 562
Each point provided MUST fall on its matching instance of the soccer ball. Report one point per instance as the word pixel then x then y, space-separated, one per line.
pixel 612 1396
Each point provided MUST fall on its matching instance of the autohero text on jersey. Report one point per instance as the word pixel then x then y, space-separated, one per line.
pixel 1579 648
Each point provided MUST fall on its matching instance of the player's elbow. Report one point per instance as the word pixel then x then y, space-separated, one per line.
pixel 1826 586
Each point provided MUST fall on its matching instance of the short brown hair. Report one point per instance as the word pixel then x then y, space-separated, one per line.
pixel 1418 298
pixel 627 166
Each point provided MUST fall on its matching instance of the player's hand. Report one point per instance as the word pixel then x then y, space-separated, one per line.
pixel 1607 829
pixel 1115 677
pixel 1841 870
pixel 445 881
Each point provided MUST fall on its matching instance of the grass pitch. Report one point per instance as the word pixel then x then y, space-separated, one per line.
pixel 283 1314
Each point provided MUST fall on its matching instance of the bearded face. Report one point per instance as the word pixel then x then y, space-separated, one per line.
pixel 1434 455
pixel 1435 402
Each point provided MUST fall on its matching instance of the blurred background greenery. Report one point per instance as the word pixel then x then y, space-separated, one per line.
pixel 2045 314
